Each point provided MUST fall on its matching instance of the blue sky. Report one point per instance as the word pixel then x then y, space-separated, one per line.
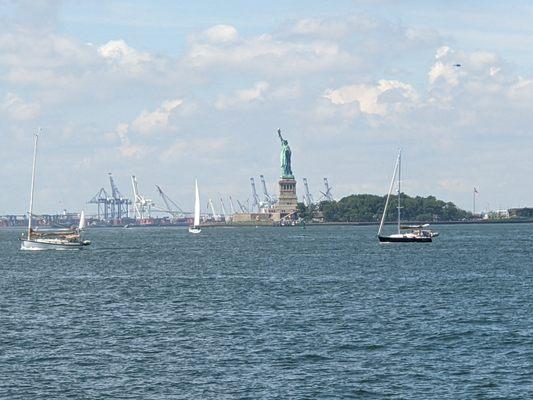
pixel 173 90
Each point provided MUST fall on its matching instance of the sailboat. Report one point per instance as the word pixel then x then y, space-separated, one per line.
pixel 406 233
pixel 50 239
pixel 195 227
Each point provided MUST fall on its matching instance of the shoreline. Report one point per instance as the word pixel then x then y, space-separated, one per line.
pixel 252 225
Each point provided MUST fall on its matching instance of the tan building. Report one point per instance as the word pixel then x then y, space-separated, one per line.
pixel 251 218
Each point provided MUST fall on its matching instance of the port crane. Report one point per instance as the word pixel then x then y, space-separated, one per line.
pixel 255 198
pixel 101 199
pixel 243 209
pixel 119 206
pixel 171 206
pixel 326 194
pixel 210 205
pixel 231 206
pixel 308 198
pixel 223 208
pixel 268 199
pixel 111 207
pixel 142 205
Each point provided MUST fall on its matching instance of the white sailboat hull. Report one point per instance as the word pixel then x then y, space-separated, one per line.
pixel 51 244
pixel 195 228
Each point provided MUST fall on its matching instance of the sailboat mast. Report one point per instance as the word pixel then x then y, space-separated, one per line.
pixel 388 196
pixel 399 187
pixel 32 182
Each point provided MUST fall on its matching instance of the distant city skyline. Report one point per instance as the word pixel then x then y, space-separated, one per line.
pixel 170 92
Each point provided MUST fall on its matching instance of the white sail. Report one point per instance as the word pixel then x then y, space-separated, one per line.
pixel 196 206
pixel 33 181
pixel 81 225
pixel 389 193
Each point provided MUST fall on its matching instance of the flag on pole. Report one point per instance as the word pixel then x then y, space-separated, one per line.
pixel 475 190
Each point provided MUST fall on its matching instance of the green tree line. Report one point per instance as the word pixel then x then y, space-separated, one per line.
pixel 369 208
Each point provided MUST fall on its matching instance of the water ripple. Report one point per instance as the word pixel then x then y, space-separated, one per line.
pixel 269 313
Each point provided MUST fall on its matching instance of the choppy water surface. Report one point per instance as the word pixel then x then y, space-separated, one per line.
pixel 324 312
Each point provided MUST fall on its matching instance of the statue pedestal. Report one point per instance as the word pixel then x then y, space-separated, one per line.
pixel 287 200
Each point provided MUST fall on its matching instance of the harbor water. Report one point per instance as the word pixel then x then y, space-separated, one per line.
pixel 269 313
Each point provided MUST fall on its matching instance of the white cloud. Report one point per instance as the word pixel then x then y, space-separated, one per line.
pixel 208 150
pixel 153 121
pixel 387 95
pixel 522 92
pixel 442 52
pixel 323 28
pixel 148 123
pixel 444 72
pixel 320 78
pixel 452 65
pixel 347 26
pixel 126 148
pixel 43 60
pixel 122 133
pixel 15 107
pixel 119 53
pixel 221 34
pixel 242 97
pixel 493 71
pixel 270 55
pixel 481 60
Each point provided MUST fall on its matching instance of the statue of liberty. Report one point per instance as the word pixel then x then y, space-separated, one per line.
pixel 285 157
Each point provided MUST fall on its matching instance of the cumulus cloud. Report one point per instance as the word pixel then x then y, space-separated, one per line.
pixel 324 78
pixel 16 108
pixel 450 65
pixel 221 34
pixel 242 97
pixel 444 72
pixel 43 60
pixel 122 133
pixel 387 95
pixel 458 75
pixel 320 27
pixel 119 53
pixel 148 123
pixel 126 147
pixel 152 121
pixel 269 54
pixel 522 92
pixel 442 52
